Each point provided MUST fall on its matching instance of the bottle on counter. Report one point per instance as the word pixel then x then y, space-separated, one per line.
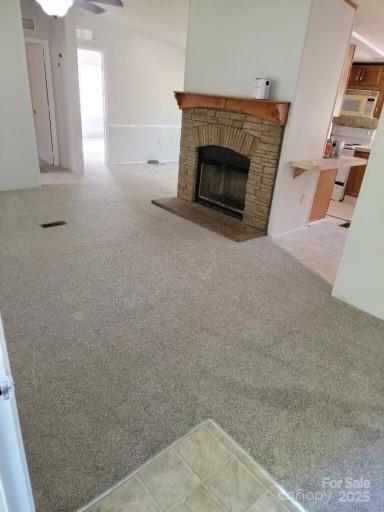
pixel 337 149
pixel 328 152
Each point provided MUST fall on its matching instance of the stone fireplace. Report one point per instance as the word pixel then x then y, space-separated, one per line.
pixel 229 154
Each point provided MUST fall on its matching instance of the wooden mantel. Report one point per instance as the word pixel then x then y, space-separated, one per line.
pixel 273 111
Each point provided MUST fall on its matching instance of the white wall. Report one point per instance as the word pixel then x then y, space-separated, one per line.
pixel 61 37
pixel 360 280
pixel 301 45
pixel 19 166
pixel 63 52
pixel 230 43
pixel 326 46
pixel 43 25
pixel 142 69
pixel 71 93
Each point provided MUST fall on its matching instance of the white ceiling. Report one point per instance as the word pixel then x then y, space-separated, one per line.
pixel 370 24
pixel 165 18
pixel 168 18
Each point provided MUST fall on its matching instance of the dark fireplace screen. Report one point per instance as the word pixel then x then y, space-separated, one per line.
pixel 222 179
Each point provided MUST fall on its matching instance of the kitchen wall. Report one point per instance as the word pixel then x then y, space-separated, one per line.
pixel 301 45
pixel 326 45
pixel 231 43
pixel 142 69
pixel 360 280
pixel 19 167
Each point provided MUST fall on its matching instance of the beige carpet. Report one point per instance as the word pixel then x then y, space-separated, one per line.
pixel 128 326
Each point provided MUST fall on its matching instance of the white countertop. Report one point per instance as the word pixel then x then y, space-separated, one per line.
pixel 363 149
pixel 325 164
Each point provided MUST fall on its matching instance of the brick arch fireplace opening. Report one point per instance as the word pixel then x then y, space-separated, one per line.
pixel 222 179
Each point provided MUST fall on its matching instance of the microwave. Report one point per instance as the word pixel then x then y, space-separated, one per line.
pixel 358 102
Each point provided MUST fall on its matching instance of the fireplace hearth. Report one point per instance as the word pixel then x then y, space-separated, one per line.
pixel 222 179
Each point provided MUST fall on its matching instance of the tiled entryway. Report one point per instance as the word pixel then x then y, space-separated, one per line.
pixel 342 210
pixel 206 471
pixel 319 246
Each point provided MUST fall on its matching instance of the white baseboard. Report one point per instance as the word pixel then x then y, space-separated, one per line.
pixel 145 162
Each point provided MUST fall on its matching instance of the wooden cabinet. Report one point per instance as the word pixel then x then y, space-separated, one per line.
pixel 323 195
pixel 356 176
pixel 354 76
pixel 379 105
pixel 366 76
pixel 369 76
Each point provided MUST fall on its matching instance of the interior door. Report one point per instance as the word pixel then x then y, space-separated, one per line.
pixel 40 102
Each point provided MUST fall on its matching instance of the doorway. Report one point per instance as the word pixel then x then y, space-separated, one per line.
pixel 40 84
pixel 92 105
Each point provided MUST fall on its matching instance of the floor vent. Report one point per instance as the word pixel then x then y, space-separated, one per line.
pixel 52 224
pixel 345 225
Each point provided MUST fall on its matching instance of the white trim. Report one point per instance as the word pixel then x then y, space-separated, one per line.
pixel 145 162
pixel 16 490
pixel 103 52
pixel 289 232
pixel 51 98
pixel 130 125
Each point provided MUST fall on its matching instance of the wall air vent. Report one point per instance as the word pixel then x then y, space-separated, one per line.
pixel 28 23
pixel 85 34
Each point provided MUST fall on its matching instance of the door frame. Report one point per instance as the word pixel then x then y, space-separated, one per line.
pixel 51 99
pixel 103 51
pixel 15 486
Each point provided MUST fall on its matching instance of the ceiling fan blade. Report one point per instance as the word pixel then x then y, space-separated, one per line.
pixel 89 6
pixel 117 3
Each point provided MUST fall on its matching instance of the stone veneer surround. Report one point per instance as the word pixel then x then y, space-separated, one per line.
pixel 257 139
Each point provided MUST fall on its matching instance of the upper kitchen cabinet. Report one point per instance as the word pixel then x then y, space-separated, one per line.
pixel 369 76
pixel 354 76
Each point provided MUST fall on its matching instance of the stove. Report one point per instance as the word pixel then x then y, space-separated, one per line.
pixel 354 138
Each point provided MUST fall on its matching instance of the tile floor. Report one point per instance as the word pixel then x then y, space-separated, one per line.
pixel 319 246
pixel 206 471
pixel 342 209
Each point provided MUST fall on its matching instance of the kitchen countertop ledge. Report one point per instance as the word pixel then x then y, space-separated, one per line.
pixel 325 164
pixel 363 149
